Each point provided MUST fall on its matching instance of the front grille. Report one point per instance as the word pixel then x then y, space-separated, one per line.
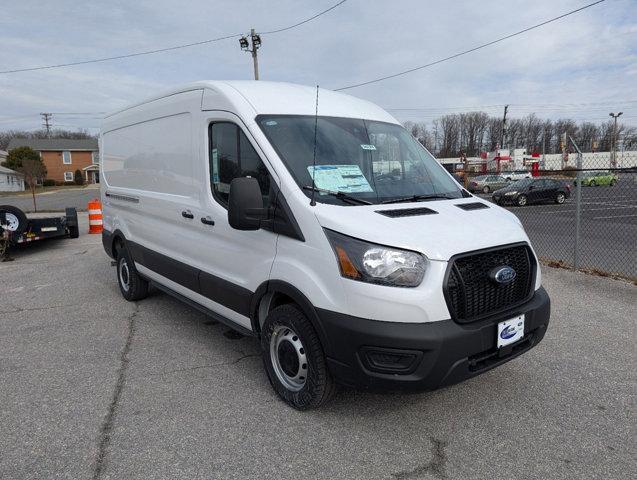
pixel 471 294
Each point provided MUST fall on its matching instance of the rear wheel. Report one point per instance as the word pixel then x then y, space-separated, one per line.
pixel 486 189
pixel 559 198
pixel 294 359
pixel 522 200
pixel 15 219
pixel 132 286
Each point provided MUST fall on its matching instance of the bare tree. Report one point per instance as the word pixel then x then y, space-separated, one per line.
pixel 7 135
pixel 449 125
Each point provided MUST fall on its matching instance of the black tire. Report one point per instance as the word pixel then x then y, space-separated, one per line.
pixel 486 189
pixel 290 346
pixel 14 214
pixel 560 198
pixel 72 223
pixel 522 200
pixel 613 182
pixel 592 183
pixel 132 286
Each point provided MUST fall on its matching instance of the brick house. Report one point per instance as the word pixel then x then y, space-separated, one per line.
pixel 62 156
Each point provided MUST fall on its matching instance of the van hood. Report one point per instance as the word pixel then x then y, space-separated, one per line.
pixel 439 236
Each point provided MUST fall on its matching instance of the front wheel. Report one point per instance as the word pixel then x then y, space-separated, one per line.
pixel 559 198
pixel 294 359
pixel 522 200
pixel 486 189
pixel 592 183
pixel 613 182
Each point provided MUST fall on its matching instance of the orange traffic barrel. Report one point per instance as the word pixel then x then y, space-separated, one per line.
pixel 95 216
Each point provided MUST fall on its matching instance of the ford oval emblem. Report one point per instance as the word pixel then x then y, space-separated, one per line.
pixel 508 332
pixel 502 275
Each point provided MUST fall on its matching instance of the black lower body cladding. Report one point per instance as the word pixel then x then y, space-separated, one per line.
pixel 389 356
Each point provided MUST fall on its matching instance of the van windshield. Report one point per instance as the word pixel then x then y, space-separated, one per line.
pixel 372 162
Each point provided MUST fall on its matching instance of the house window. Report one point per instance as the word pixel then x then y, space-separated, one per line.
pixel 66 158
pixel 96 157
pixel 68 176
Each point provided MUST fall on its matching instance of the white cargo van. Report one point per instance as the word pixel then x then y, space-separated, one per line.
pixel 333 237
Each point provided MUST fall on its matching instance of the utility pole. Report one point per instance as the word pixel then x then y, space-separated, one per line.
pixel 613 158
pixel 543 148
pixel 504 125
pixel 256 44
pixel 46 118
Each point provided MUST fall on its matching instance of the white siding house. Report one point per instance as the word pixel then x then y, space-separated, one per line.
pixel 11 181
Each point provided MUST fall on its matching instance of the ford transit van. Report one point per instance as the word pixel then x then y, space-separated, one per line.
pixel 313 221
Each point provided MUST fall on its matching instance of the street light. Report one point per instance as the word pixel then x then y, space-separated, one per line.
pixel 613 163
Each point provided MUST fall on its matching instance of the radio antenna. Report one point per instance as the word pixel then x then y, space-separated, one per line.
pixel 312 201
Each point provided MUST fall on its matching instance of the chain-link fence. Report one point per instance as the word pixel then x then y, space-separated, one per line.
pixel 578 209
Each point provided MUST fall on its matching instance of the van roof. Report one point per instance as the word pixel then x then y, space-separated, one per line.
pixel 251 98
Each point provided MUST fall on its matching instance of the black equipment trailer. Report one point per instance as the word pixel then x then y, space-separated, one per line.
pixel 17 229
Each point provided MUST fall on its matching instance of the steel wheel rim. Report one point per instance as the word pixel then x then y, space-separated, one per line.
pixel 288 358
pixel 124 274
pixel 12 222
pixel 522 201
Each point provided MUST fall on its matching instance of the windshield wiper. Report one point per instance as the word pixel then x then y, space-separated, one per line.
pixel 416 198
pixel 340 195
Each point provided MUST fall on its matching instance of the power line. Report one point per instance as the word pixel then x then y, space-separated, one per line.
pixel 167 49
pixel 118 57
pixel 551 106
pixel 306 20
pixel 404 72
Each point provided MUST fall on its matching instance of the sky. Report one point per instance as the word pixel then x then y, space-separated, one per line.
pixel 583 66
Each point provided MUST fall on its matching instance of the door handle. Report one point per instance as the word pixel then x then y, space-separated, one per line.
pixel 207 220
pixel 187 214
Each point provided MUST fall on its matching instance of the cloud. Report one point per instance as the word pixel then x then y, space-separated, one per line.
pixel 589 57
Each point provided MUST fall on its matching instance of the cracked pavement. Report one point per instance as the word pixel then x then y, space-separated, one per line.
pixel 92 386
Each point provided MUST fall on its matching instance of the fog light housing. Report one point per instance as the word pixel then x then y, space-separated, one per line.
pixel 390 360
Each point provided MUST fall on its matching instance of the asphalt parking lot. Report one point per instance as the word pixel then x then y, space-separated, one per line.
pixel 95 387
pixel 608 227
pixel 55 200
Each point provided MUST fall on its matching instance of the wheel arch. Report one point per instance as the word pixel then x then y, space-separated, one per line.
pixel 110 241
pixel 274 293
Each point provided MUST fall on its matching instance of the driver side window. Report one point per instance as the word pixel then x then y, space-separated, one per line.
pixel 231 156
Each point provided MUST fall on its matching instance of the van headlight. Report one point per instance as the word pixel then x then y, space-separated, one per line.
pixel 372 263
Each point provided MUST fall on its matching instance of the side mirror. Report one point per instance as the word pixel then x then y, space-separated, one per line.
pixel 245 204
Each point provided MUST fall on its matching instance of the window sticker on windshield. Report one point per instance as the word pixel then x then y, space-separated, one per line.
pixel 340 178
pixel 368 147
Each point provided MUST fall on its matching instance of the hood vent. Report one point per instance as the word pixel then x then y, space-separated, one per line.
pixel 472 206
pixel 407 212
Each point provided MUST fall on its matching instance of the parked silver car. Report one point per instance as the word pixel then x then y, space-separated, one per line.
pixel 516 175
pixel 487 183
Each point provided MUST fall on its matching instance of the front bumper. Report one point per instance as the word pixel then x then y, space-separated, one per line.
pixel 442 353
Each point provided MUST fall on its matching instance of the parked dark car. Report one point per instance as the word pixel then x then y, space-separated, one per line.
pixel 532 190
